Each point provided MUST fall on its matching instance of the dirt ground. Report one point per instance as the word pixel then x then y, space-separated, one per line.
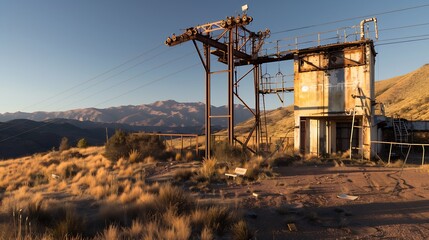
pixel 301 202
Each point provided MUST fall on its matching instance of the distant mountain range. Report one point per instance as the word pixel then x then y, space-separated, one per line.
pixel 158 114
pixel 27 133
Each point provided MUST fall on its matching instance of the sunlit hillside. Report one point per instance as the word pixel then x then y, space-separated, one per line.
pixel 407 95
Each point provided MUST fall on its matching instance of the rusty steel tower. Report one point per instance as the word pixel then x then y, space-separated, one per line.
pixel 234 45
pixel 325 69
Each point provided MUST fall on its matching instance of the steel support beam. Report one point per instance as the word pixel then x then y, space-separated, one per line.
pixel 256 77
pixel 207 129
pixel 231 86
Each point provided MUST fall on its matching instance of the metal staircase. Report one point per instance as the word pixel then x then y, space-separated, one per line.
pixel 400 130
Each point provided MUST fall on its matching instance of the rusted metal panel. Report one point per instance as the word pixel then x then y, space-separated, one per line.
pixel 326 60
pixel 330 86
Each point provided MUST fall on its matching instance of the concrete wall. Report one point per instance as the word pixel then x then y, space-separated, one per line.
pixel 330 83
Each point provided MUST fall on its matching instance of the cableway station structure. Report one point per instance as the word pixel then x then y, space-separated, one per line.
pixel 333 84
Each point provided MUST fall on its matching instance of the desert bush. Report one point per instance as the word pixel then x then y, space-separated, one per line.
pixel 147 145
pixel 117 146
pixel 224 152
pixel 82 143
pixel 121 145
pixel 64 144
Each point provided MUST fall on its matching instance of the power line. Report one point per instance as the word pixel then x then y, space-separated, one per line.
pixel 349 19
pixel 399 38
pixel 176 59
pixel 402 27
pixel 49 122
pixel 405 41
pixel 134 77
pixel 147 84
pixel 97 76
pixel 110 77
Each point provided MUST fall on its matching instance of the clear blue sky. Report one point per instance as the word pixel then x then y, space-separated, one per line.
pixel 52 52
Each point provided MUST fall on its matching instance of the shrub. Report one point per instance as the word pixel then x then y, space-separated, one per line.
pixel 82 143
pixel 117 147
pixel 147 145
pixel 121 145
pixel 64 144
pixel 224 152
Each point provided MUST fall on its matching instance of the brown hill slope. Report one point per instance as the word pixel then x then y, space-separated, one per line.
pixel 406 95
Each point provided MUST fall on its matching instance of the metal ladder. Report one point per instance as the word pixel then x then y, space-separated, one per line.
pixel 365 116
pixel 263 126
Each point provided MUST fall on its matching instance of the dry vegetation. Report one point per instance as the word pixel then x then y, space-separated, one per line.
pixel 406 95
pixel 79 193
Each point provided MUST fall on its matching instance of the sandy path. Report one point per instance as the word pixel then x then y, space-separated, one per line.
pixel 391 204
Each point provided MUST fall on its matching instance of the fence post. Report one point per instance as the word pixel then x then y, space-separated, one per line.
pixel 390 152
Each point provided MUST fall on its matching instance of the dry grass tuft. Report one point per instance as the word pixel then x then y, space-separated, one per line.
pixel 206 234
pixel 240 231
pixel 189 156
pixel 134 156
pixel 208 169
pixel 173 197
pixel 111 233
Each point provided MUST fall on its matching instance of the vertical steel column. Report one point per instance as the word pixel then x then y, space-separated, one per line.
pixel 256 77
pixel 231 87
pixel 208 132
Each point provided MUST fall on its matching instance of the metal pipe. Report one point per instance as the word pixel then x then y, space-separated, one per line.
pixel 362 27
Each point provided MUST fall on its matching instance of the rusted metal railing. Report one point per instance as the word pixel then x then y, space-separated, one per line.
pixel 399 144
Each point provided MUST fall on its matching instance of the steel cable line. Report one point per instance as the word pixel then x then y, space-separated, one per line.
pixel 110 77
pixel 94 78
pixel 97 76
pixel 405 41
pixel 349 19
pixel 402 27
pixel 163 64
pixel 148 83
pixel 399 38
pixel 133 77
pixel 336 30
pixel 48 122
